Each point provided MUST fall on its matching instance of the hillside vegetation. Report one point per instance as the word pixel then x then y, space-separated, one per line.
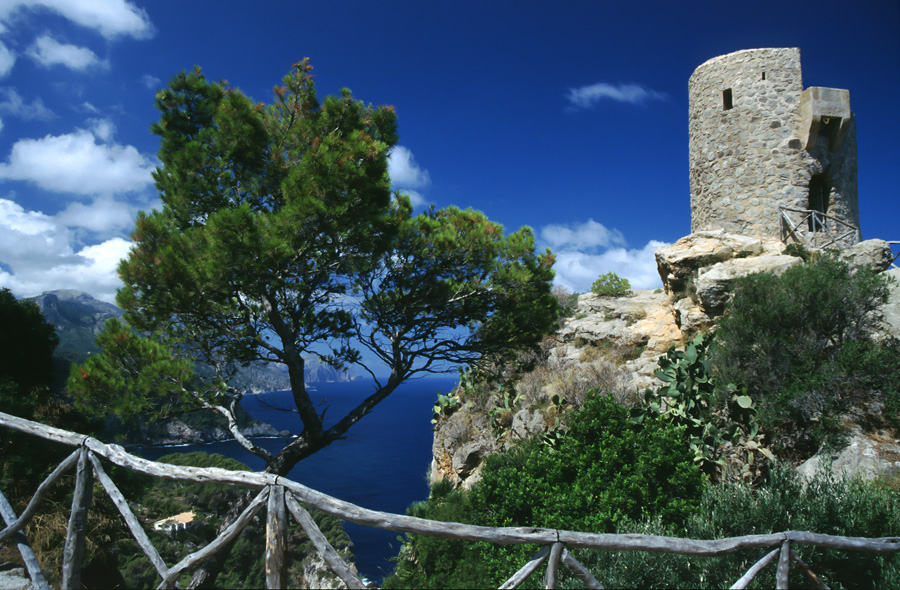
pixel 792 366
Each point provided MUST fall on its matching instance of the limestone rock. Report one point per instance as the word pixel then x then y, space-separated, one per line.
pixel 874 253
pixel 714 285
pixel 678 264
pixel 867 455
pixel 890 312
pixel 689 317
pixel 15 579
pixel 526 424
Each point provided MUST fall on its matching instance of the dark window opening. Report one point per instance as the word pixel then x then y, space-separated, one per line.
pixel 764 76
pixel 819 197
pixel 726 99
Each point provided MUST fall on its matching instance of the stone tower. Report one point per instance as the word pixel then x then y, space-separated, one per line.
pixel 758 142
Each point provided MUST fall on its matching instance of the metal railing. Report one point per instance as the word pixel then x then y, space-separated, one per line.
pixel 818 232
pixel 281 495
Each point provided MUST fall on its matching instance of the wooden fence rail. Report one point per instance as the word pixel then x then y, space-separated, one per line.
pixel 281 496
pixel 818 234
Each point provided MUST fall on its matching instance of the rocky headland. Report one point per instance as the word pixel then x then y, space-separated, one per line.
pixel 615 342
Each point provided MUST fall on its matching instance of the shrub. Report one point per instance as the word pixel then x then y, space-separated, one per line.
pixel 792 340
pixel 824 505
pixel 611 285
pixel 604 471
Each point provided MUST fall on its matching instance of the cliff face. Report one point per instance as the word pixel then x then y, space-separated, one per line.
pixel 614 344
pixel 608 342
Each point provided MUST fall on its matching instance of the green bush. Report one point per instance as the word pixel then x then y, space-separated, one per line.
pixel 611 285
pixel 794 340
pixel 605 471
pixel 827 505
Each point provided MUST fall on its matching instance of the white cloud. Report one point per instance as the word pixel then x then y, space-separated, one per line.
pixel 49 52
pixel 576 271
pixel 151 82
pixel 581 236
pixel 103 129
pixel 586 97
pixel 415 198
pixel 11 103
pixel 103 216
pixel 404 171
pixel 110 18
pixel 37 250
pixel 7 60
pixel 77 163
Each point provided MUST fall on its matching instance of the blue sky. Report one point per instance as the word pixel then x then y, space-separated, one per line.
pixel 568 117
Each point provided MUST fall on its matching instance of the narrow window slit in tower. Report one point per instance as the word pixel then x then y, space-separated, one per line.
pixel 764 76
pixel 726 99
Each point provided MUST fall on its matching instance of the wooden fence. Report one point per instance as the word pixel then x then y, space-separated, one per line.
pixel 280 495
pixel 818 231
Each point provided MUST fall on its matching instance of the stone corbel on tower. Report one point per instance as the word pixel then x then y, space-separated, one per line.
pixel 825 113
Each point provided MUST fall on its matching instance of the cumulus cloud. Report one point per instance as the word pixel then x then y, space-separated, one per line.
pixel 49 52
pixel 581 236
pixel 406 175
pixel 103 216
pixel 576 271
pixel 586 97
pixel 404 170
pixel 37 250
pixel 77 163
pixel 588 249
pixel 7 60
pixel 110 18
pixel 11 103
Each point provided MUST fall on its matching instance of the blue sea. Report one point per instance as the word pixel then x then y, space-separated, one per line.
pixel 382 464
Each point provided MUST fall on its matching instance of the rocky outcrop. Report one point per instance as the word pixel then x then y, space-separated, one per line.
pixel 867 455
pixel 614 343
pixel 699 269
pixel 890 314
pixel 874 253
pixel 631 331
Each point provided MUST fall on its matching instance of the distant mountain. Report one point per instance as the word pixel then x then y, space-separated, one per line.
pixel 79 317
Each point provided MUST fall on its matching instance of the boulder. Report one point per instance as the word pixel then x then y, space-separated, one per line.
pixel 689 317
pixel 890 312
pixel 714 285
pixel 867 455
pixel 678 264
pixel 874 253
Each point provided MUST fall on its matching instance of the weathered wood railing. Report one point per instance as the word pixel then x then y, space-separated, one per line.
pixel 818 234
pixel 281 495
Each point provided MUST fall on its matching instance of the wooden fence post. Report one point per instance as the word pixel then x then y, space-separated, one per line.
pixel 784 563
pixel 81 503
pixel 581 572
pixel 331 557
pixel 131 521
pixel 744 580
pixel 526 570
pixel 276 525
pixel 552 574
pixel 31 562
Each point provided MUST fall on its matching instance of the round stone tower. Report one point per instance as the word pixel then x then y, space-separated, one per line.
pixel 767 158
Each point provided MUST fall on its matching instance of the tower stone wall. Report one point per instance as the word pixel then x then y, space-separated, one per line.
pixel 758 141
